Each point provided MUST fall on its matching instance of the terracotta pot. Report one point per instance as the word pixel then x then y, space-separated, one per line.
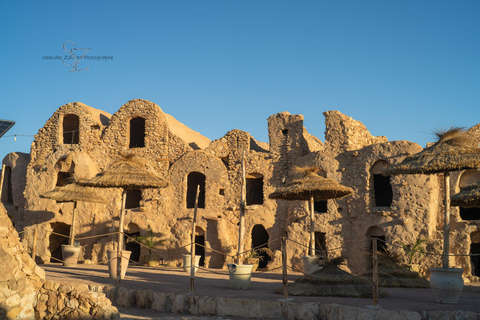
pixel 240 275
pixel 447 284
pixel 152 260
pixel 254 261
pixel 70 255
pixel 112 263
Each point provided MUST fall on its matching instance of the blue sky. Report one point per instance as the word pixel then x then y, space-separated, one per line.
pixel 403 68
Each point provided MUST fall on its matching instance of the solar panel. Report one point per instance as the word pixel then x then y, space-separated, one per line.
pixel 5 125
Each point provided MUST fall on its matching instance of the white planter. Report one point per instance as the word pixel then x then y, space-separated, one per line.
pixel 187 262
pixel 112 263
pixel 70 255
pixel 310 264
pixel 447 284
pixel 240 275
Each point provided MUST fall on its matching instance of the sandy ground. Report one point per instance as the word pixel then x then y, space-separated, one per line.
pixel 214 282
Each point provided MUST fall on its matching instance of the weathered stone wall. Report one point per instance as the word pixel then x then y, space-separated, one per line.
pixel 24 294
pixel 348 156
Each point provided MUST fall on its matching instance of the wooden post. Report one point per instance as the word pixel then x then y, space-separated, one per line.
pixel 242 214
pixel 284 268
pixel 120 237
pixel 34 242
pixel 446 222
pixel 311 245
pixel 72 229
pixel 1 181
pixel 192 244
pixel 375 272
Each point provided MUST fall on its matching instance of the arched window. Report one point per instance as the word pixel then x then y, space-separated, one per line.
pixel 260 240
pixel 7 196
pixel 137 132
pixel 383 194
pixel 254 187
pixel 195 179
pixel 133 198
pixel 468 178
pixel 71 133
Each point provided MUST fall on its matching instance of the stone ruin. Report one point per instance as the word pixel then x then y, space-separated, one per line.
pixel 81 140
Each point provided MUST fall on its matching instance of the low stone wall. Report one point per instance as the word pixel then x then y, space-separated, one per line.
pixel 261 309
pixel 57 301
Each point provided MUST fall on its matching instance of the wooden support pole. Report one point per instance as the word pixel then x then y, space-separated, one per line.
pixel 72 228
pixel 192 244
pixel 120 238
pixel 375 272
pixel 311 245
pixel 446 222
pixel 284 268
pixel 242 214
pixel 34 242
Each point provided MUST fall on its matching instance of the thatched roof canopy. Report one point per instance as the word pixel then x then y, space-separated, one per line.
pixel 332 281
pixel 73 192
pixel 468 196
pixel 311 184
pixel 130 172
pixel 454 150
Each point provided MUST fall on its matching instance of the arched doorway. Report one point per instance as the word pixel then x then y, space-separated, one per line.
pixel 132 231
pixel 60 235
pixel 379 234
pixel 475 250
pixel 260 240
pixel 200 245
pixel 468 178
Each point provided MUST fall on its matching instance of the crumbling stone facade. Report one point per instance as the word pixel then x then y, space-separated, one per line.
pixel 81 140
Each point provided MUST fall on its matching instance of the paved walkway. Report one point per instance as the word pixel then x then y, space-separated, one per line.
pixel 214 283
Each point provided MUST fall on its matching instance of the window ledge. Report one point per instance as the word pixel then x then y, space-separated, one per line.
pixel 382 210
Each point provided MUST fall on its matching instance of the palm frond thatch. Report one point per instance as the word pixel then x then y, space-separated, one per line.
pixel 311 184
pixel 393 274
pixel 454 150
pixel 468 197
pixel 128 172
pixel 332 281
pixel 73 192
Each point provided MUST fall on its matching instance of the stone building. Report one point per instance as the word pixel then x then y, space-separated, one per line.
pixel 81 140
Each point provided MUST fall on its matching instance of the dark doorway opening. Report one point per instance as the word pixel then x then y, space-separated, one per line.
pixel 132 246
pixel 137 133
pixel 260 240
pixel 60 235
pixel 320 206
pixel 133 198
pixel 383 190
pixel 470 213
pixel 195 179
pixel 381 245
pixel 71 124
pixel 7 196
pixel 200 248
pixel 475 260
pixel 254 189
pixel 320 244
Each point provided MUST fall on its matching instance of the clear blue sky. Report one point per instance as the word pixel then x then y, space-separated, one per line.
pixel 402 68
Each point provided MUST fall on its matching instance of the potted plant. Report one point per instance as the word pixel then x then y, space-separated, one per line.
pixel 414 252
pixel 149 241
pixel 257 255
